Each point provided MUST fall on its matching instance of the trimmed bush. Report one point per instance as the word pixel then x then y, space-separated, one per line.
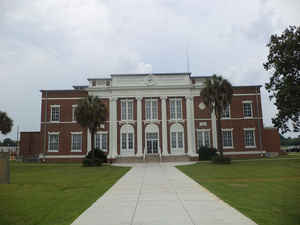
pixel 206 153
pixel 99 154
pixel 217 159
pixel 100 157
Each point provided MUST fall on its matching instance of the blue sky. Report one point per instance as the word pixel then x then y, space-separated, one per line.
pixel 56 44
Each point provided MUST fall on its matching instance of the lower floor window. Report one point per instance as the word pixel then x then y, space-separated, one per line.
pixel 101 141
pixel 53 142
pixel 227 138
pixel 177 140
pixel 203 139
pixel 127 141
pixel 76 143
pixel 249 138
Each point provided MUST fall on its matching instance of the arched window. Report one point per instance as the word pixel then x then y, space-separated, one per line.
pixel 177 139
pixel 127 140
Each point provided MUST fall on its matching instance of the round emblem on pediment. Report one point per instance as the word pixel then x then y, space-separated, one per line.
pixel 202 106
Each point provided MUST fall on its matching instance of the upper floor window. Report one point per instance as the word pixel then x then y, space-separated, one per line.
pixel 53 142
pixel 249 137
pixel 226 112
pixel 101 141
pixel 55 112
pixel 227 138
pixel 76 142
pixel 151 109
pixel 73 112
pixel 127 109
pixel 247 108
pixel 175 108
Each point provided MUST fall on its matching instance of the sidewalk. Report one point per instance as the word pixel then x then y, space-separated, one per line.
pixel 159 194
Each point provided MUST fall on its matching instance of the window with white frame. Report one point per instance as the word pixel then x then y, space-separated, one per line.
pixel 177 138
pixel 249 137
pixel 175 108
pixel 73 112
pixel 151 109
pixel 101 141
pixel 127 139
pixel 127 109
pixel 203 138
pixel 247 109
pixel 226 112
pixel 76 142
pixel 55 113
pixel 227 138
pixel 53 142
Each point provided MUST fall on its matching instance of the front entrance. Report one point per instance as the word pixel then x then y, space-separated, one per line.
pixel 152 142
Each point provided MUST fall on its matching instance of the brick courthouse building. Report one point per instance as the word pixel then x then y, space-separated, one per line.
pixel 158 114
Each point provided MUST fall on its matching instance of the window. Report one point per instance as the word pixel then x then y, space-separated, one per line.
pixel 177 138
pixel 73 112
pixel 126 109
pixel 55 113
pixel 101 141
pixel 249 137
pixel 76 142
pixel 53 142
pixel 175 109
pixel 203 138
pixel 227 139
pixel 127 139
pixel 226 112
pixel 151 109
pixel 247 108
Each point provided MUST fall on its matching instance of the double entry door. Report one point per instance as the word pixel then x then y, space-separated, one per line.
pixel 152 142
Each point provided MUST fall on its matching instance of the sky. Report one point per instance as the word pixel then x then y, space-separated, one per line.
pixel 54 44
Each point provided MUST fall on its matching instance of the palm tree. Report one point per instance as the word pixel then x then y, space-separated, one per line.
pixel 217 95
pixel 6 123
pixel 90 113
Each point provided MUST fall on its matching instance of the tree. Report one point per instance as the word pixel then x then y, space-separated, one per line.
pixel 284 63
pixel 5 123
pixel 217 95
pixel 90 113
pixel 9 142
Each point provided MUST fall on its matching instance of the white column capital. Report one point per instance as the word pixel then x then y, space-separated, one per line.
pixel 189 98
pixel 164 98
pixel 113 98
pixel 139 98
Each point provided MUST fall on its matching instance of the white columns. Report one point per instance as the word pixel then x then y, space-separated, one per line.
pixel 113 127
pixel 139 134
pixel 190 125
pixel 214 129
pixel 164 125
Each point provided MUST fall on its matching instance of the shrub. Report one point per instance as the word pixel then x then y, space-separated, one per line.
pixel 100 157
pixel 99 154
pixel 206 153
pixel 221 160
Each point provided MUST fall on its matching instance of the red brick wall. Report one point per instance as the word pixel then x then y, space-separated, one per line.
pixel 271 140
pixel 30 144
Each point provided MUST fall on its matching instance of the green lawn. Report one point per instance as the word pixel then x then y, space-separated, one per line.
pixel 267 191
pixel 53 194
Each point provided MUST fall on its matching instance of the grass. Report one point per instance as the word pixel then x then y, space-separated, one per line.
pixel 56 194
pixel 267 191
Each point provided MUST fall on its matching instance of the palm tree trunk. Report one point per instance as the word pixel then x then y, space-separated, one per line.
pixel 219 133
pixel 93 143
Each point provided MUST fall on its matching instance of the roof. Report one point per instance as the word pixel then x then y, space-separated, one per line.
pixel 62 90
pixel 146 74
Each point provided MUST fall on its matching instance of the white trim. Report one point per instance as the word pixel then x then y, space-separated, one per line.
pixel 101 132
pixel 249 94
pixel 62 98
pixel 244 153
pixel 243 118
pixel 203 119
pixel 227 129
pixel 49 132
pixel 252 128
pixel 247 101
pixel 63 156
pixel 76 132
pixel 205 129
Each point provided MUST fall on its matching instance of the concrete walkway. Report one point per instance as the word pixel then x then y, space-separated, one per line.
pixel 159 194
